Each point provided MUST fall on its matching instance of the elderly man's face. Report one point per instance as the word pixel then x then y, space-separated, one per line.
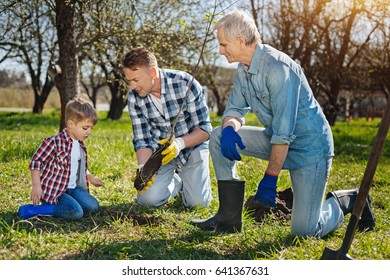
pixel 230 49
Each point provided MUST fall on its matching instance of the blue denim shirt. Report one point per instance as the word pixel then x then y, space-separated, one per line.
pixel 276 90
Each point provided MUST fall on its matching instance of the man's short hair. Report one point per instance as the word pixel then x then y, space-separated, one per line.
pixel 137 57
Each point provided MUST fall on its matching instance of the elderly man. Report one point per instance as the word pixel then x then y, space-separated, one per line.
pixel 296 136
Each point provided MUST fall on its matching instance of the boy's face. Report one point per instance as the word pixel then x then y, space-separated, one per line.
pixel 80 130
pixel 141 79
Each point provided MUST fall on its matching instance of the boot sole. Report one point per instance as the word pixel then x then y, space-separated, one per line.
pixel 229 228
pixel 218 227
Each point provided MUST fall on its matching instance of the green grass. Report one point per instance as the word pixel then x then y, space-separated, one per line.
pixel 123 230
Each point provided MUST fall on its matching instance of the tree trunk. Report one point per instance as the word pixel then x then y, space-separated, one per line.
pixel 118 98
pixel 68 82
pixel 40 99
pixel 116 108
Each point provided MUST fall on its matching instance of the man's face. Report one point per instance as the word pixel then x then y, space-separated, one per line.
pixel 230 49
pixel 141 79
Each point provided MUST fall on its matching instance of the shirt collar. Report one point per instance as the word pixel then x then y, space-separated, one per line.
pixel 69 139
pixel 163 81
pixel 255 63
pixel 66 135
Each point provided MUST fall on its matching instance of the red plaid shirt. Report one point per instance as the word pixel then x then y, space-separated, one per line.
pixel 52 158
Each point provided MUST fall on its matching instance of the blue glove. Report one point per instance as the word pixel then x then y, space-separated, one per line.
pixel 229 140
pixel 266 192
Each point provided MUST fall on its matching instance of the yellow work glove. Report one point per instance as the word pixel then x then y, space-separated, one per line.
pixel 148 184
pixel 173 150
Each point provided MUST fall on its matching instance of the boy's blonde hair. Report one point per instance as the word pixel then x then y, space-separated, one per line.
pixel 80 108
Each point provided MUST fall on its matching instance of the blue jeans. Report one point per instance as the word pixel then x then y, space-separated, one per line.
pixel 192 181
pixel 74 203
pixel 310 215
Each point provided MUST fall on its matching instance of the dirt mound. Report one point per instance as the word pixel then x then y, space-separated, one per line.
pixel 282 212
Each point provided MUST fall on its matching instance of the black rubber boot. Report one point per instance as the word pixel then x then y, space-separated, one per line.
pixel 346 200
pixel 229 215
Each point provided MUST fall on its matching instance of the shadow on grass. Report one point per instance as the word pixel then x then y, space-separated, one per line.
pixel 127 212
pixel 189 247
pixel 193 243
pixel 106 214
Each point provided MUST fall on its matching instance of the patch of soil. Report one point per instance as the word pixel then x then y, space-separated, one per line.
pixel 137 218
pixel 282 211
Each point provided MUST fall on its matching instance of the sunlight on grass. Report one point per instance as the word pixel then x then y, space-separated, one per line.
pixel 123 230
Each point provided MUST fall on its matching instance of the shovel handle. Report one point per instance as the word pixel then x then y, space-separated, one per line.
pixel 367 179
pixel 372 162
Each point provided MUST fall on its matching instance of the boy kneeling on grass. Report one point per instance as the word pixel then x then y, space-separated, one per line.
pixel 59 168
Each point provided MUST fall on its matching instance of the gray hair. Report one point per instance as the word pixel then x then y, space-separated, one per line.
pixel 239 24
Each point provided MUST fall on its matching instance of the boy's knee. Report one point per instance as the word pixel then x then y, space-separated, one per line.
pixel 76 214
pixel 94 207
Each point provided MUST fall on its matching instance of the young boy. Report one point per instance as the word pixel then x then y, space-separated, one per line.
pixel 59 168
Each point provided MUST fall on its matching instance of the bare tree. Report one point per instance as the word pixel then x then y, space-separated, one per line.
pixel 325 37
pixel 28 37
pixel 168 28
pixel 377 55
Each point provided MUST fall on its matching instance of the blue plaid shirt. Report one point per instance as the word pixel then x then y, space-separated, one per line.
pixel 150 126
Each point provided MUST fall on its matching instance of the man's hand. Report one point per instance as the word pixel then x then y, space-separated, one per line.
pixel 229 140
pixel 173 150
pixel 148 184
pixel 266 192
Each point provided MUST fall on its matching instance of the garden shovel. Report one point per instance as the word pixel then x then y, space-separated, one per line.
pixel 342 253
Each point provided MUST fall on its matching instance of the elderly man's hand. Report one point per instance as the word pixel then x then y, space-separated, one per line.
pixel 266 192
pixel 229 140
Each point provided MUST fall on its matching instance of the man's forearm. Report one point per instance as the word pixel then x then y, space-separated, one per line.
pixel 143 155
pixel 196 137
pixel 277 158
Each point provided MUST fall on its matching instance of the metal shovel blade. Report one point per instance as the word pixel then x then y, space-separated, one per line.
pixel 330 254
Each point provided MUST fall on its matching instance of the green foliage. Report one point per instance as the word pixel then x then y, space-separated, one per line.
pixel 123 230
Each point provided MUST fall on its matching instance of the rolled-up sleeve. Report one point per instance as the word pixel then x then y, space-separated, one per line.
pixel 43 154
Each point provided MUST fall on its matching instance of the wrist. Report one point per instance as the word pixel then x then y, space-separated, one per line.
pixel 272 174
pixel 179 145
pixel 270 179
pixel 36 186
pixel 228 129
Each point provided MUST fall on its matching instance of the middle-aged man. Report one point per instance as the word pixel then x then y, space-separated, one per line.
pixel 154 102
pixel 296 136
